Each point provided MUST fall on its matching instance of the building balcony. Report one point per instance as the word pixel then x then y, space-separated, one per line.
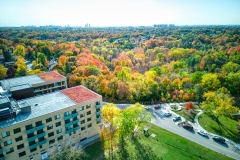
pixel 1 151
pixel 33 146
pixel 76 128
pixel 2 158
pixel 69 131
pixel 75 121
pixel 75 114
pixel 98 112
pixel 98 106
pixel 41 135
pixel 31 138
pixel 42 142
pixel 68 124
pixel 40 127
pixel 99 118
pixel 67 117
pixel 30 130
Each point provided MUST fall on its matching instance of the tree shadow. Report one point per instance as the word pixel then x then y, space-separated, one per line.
pixel 123 152
pixel 143 152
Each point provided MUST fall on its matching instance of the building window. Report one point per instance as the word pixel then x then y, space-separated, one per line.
pixel 18 138
pixel 88 106
pixel 17 130
pixel 82 115
pixel 89 119
pixel 51 134
pixel 66 113
pixel 75 118
pixel 57 116
pixel 90 125
pixel 49 127
pixel 32 150
pixel 83 121
pixel 29 126
pixel 74 111
pixel 41 139
pixel 9 150
pixel 22 154
pixel 30 135
pixel 89 112
pixel 82 108
pixel 59 130
pixel 58 124
pixel 39 123
pixel 5 134
pixel 60 138
pixel 8 142
pixel 49 119
pixel 83 128
pixel 31 143
pixel 20 146
pixel 40 131
pixel 52 141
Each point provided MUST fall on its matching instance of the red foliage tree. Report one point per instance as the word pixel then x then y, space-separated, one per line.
pixel 189 105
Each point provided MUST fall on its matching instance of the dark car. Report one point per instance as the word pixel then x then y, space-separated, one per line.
pixel 219 139
pixel 157 107
pixel 177 118
pixel 188 126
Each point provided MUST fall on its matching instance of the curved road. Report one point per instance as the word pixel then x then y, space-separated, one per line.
pixel 167 123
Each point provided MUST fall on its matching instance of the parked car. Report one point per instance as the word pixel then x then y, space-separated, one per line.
pixel 157 107
pixel 202 133
pixel 219 139
pixel 188 126
pixel 167 114
pixel 177 118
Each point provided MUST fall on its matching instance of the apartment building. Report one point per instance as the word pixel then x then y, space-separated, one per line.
pixel 33 125
pixel 28 86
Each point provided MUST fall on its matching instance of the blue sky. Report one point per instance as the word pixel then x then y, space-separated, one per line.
pixel 118 12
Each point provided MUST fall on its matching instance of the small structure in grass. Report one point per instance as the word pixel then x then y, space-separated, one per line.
pixel 145 131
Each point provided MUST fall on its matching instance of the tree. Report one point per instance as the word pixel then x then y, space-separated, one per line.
pixel 199 93
pixel 196 77
pixel 189 105
pixel 232 83
pixel 42 59
pixel 129 118
pixel 230 67
pixel 210 82
pixel 219 103
pixel 123 91
pixel 21 67
pixel 108 135
pixel 11 71
pixel 19 51
pixel 2 72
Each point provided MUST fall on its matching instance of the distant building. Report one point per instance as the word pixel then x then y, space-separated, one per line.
pixel 29 127
pixel 28 86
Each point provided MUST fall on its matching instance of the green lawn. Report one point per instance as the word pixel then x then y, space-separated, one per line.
pixel 165 145
pixel 228 128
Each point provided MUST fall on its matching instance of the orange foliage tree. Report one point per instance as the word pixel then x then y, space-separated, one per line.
pixel 189 105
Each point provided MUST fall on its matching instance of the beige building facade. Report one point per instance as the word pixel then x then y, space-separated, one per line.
pixel 45 120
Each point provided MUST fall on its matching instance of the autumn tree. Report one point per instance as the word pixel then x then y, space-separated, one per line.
pixel 2 72
pixel 123 91
pixel 108 133
pixel 129 118
pixel 199 91
pixel 11 71
pixel 19 51
pixel 219 103
pixel 189 106
pixel 210 82
pixel 21 67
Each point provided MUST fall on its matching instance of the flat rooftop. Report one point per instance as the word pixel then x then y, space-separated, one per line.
pixel 4 100
pixel 33 79
pixel 51 102
pixel 20 87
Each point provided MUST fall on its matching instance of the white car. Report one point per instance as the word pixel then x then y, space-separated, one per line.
pixel 167 114
pixel 203 133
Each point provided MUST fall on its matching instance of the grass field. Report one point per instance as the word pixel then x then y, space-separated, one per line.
pixel 228 128
pixel 165 145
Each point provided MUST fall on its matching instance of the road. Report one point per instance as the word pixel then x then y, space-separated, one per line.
pixel 167 123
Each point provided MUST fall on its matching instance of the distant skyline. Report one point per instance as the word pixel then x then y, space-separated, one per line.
pixel 118 12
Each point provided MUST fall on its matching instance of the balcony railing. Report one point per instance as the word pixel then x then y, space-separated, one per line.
pixel 69 131
pixel 76 128
pixel 68 124
pixel 29 130
pixel 67 117
pixel 42 142
pixel 98 112
pixel 41 135
pixel 40 127
pixel 75 121
pixel 31 138
pixel 75 114
pixel 98 106
pixel 33 146
pixel 99 118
